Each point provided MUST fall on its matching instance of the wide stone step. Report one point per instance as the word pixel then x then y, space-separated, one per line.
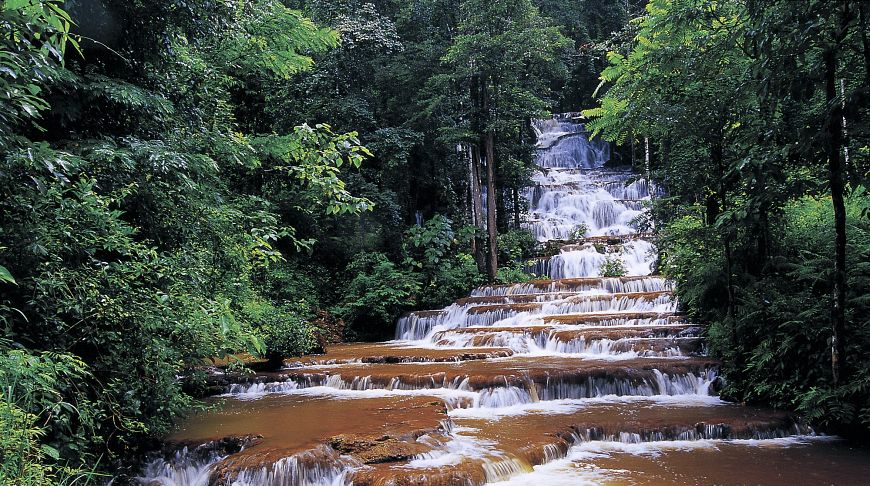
pixel 302 439
pixel 393 353
pixel 548 297
pixel 630 309
pixel 804 460
pixel 624 300
pixel 502 382
pixel 589 333
pixel 649 341
pixel 604 284
pixel 297 439
pixel 615 319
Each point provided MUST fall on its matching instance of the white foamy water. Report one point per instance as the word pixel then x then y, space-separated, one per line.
pixel 578 467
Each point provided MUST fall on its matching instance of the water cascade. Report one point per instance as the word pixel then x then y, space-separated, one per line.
pixel 571 378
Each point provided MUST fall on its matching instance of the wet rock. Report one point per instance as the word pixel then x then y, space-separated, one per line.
pixel 376 451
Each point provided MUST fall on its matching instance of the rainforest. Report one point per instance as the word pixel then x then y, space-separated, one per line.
pixel 434 242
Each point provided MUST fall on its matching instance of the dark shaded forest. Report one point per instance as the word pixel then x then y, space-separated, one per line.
pixel 192 182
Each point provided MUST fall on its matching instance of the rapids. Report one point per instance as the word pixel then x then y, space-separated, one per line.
pixel 573 378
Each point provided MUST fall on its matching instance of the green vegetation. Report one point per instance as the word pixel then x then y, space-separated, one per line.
pixel 612 267
pixel 756 115
pixel 190 181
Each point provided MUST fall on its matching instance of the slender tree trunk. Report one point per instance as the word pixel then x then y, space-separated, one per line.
pixel 646 155
pixel 477 208
pixel 491 221
pixel 646 164
pixel 501 205
pixel 865 41
pixel 835 173
pixel 851 173
pixel 718 156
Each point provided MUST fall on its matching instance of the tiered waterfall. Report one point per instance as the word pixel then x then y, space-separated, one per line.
pixel 574 378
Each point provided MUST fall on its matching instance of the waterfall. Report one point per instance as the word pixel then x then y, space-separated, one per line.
pixel 515 376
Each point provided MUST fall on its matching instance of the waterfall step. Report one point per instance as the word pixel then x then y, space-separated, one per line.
pixel 514 444
pixel 528 377
pixel 607 342
pixel 616 319
pixel 298 439
pixel 588 333
pixel 584 284
pixel 555 296
pixel 393 353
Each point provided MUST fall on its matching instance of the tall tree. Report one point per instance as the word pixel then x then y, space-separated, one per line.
pixel 497 66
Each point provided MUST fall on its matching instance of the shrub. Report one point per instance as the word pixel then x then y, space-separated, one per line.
pixel 284 329
pixel 612 267
pixel 515 245
pixel 512 273
pixel 435 252
pixel 452 279
pixel 376 295
pixel 579 232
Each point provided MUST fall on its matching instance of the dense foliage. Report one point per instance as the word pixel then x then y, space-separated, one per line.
pixel 184 182
pixel 756 114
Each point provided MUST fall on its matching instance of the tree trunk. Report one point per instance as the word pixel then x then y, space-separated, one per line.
pixel 865 42
pixel 646 165
pixel 850 172
pixel 516 208
pixel 491 220
pixel 717 154
pixel 646 156
pixel 477 209
pixel 501 211
pixel 835 173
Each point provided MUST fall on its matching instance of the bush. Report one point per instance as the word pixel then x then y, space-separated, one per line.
pixel 284 329
pixel 612 267
pixel 516 245
pixel 435 252
pixel 512 273
pixel 22 460
pixel 377 293
pixel 452 279
pixel 35 388
pixel 579 232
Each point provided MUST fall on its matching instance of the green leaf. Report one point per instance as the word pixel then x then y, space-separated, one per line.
pixel 5 276
pixel 50 452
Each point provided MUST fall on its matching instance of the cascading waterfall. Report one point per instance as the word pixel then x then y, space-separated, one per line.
pixel 579 349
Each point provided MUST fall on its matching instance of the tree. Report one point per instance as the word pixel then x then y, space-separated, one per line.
pixel 748 105
pixel 497 66
pixel 139 218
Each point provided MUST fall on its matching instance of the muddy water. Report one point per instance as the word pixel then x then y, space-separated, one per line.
pixel 294 423
pixel 804 461
pixel 573 378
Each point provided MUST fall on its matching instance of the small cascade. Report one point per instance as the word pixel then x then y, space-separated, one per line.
pixel 185 468
pixel 502 383
pixel 318 467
